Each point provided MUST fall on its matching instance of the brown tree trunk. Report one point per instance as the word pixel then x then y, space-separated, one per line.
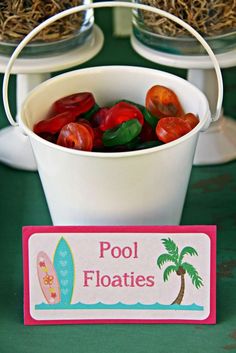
pixel 180 296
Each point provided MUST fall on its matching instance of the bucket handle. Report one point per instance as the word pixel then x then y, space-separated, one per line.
pixel 80 8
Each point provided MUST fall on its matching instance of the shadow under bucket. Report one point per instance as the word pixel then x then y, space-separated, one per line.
pixel 93 188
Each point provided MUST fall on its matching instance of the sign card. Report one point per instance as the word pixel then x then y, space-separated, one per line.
pixel 120 274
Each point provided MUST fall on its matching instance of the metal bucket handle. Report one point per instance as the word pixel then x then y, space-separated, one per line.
pixel 80 8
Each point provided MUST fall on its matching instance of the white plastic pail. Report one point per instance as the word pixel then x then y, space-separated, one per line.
pixel 93 188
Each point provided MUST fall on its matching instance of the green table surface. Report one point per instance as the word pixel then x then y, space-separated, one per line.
pixel 211 199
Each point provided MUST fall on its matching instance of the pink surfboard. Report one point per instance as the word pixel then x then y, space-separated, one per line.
pixel 48 279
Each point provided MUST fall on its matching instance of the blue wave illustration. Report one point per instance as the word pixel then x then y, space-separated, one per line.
pixel 117 306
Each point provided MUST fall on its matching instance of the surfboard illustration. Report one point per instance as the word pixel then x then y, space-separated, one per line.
pixel 64 267
pixel 48 279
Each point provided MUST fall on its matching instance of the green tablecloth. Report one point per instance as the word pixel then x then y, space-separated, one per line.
pixel 211 199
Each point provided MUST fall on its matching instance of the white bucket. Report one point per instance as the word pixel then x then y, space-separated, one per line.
pixel 128 188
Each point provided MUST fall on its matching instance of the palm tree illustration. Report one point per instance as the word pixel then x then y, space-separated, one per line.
pixel 178 266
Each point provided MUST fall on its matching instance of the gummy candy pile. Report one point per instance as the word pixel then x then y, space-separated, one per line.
pixel 78 122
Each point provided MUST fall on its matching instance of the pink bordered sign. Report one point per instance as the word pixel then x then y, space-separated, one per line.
pixel 120 274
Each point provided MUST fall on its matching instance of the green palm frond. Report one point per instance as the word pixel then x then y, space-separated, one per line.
pixel 192 272
pixel 171 248
pixel 188 250
pixel 168 271
pixel 163 258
